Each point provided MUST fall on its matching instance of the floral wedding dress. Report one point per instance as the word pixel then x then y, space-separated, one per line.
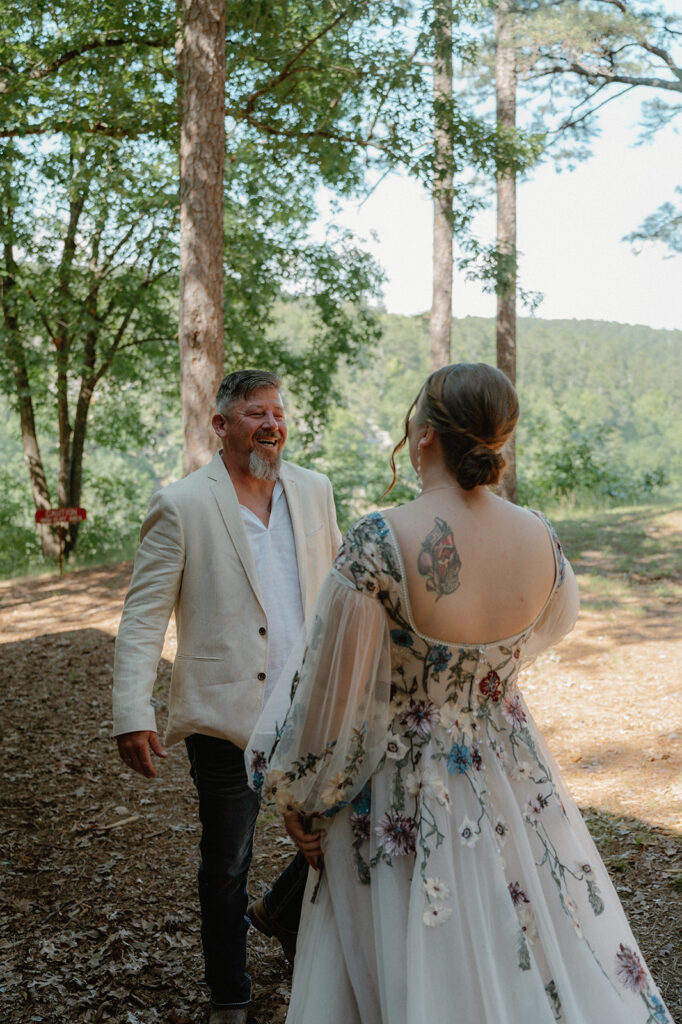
pixel 460 884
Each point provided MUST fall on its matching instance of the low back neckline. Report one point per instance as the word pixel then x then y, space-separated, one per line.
pixel 507 641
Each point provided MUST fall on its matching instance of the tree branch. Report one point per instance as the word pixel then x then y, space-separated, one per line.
pixel 317 133
pixel 289 68
pixel 610 76
pixel 39 73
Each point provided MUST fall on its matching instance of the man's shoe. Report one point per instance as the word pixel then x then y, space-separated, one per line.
pixel 261 921
pixel 233 1015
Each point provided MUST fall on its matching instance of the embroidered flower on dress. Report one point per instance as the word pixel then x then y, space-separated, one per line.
pixel 629 969
pixel 513 711
pixel 584 868
pixel 402 638
pixel 459 758
pixel 439 656
pixel 468 832
pixel 334 792
pixel 379 523
pixel 285 800
pixel 491 686
pixel 413 784
pixel 476 759
pixel 532 811
pixel 273 781
pixel 395 748
pixel 421 717
pixel 434 786
pixel 500 754
pixel 397 833
pixel 528 925
pixel 435 915
pixel 448 715
pixel 658 1012
pixel 520 771
pixel 399 699
pixel 517 894
pixel 571 905
pixel 360 825
pixel 259 762
pixel 436 889
pixel 468 726
pixel 501 831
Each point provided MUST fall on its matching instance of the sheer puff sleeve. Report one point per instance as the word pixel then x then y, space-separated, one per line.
pixel 559 616
pixel 323 732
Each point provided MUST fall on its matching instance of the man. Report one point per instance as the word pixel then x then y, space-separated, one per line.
pixel 238 549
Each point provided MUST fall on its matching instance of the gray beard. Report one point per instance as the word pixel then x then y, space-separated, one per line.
pixel 262 469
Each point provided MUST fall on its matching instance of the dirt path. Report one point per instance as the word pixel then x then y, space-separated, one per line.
pixel 99 915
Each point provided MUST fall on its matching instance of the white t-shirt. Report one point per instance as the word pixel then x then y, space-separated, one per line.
pixel 274 552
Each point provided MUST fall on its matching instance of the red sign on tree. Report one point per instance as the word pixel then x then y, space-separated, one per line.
pixel 60 515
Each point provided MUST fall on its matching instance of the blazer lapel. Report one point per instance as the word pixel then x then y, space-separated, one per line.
pixel 226 497
pixel 293 496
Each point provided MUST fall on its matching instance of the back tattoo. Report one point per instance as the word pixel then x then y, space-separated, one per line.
pixel 438 560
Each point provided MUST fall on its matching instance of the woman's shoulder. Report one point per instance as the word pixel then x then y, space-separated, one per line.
pixel 545 532
pixel 368 555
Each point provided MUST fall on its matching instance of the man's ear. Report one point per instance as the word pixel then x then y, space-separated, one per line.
pixel 218 424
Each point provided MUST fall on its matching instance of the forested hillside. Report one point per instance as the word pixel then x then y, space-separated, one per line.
pixel 601 414
pixel 601 407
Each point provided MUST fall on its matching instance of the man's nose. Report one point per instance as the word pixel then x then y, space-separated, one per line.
pixel 269 421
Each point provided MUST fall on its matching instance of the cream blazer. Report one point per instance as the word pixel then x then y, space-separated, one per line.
pixel 195 560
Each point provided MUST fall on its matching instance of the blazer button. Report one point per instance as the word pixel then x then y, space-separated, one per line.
pixel 262 630
pixel 261 676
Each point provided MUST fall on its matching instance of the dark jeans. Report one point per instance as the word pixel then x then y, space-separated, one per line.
pixel 228 810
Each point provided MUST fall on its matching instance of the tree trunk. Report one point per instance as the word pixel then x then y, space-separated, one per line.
pixel 202 161
pixel 440 324
pixel 86 390
pixel 505 94
pixel 41 493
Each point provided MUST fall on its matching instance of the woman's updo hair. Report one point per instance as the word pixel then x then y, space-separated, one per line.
pixel 473 408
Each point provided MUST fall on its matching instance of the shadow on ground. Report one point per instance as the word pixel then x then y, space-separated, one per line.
pixel 99 917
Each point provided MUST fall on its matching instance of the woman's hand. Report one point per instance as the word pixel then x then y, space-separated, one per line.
pixel 309 843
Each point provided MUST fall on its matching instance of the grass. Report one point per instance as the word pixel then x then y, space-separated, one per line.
pixel 616 550
pixel 622 550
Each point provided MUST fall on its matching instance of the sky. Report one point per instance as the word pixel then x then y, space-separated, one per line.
pixel 570 230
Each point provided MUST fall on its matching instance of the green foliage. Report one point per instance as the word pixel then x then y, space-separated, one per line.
pixel 97 67
pixel 663 226
pixel 599 426
pixel 587 433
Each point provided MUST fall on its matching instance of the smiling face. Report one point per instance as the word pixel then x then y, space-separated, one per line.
pixel 253 432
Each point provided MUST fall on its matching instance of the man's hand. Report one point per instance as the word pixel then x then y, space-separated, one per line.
pixel 309 843
pixel 134 749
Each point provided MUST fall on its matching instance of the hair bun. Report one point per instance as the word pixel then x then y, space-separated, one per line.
pixel 480 465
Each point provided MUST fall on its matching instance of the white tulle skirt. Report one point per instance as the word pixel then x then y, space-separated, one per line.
pixel 365 955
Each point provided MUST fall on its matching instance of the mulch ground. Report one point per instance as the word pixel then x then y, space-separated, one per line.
pixel 99 915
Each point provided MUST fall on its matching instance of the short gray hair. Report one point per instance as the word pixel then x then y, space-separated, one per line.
pixel 243 383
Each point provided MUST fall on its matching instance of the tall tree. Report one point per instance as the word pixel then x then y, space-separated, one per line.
pixel 202 164
pixel 314 94
pixel 86 232
pixel 440 322
pixel 505 105
pixel 579 55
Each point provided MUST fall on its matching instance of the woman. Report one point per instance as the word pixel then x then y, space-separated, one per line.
pixel 458 881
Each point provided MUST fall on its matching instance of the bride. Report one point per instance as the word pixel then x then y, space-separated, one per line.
pixel 455 880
